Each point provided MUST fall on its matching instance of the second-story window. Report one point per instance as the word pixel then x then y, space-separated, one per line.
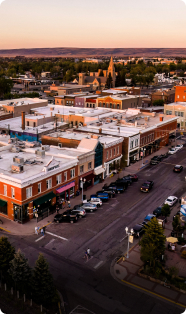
pixel 90 165
pixel 131 144
pixel 65 176
pixel 39 188
pixel 12 192
pixel 29 192
pixel 118 150
pixel 48 184
pixel 58 179
pixel 5 190
pixel 111 153
pixel 114 151
pixel 81 169
pixel 107 154
pixel 72 173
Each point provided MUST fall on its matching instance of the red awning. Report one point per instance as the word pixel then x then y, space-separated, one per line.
pixel 65 187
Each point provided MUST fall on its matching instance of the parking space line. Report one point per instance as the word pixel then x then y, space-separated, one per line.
pixel 98 264
pixel 5 230
pixel 39 239
pixel 55 235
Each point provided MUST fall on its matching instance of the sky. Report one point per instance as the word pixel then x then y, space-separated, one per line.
pixel 92 24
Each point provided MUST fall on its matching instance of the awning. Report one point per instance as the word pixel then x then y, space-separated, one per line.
pixel 44 198
pixel 2 203
pixel 98 171
pixel 65 187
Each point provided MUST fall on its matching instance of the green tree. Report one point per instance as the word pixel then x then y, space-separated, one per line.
pixel 152 243
pixel 43 285
pixel 158 102
pixel 165 210
pixel 20 272
pixel 5 86
pixel 177 225
pixel 109 81
pixel 6 255
pixel 101 73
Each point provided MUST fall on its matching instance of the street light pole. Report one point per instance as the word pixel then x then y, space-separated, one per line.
pixel 129 234
pixel 82 182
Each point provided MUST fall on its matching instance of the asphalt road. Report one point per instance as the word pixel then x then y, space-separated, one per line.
pixel 90 283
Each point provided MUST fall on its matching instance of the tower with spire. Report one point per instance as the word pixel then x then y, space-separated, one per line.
pixel 111 70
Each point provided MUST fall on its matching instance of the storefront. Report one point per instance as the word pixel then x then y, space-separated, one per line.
pixel 21 212
pixel 44 202
pixel 98 174
pixel 89 180
pixel 111 165
pixel 66 191
pixel 133 156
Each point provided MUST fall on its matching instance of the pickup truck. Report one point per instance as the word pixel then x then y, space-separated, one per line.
pixel 96 201
pixel 147 186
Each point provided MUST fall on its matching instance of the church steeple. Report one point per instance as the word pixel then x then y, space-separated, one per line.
pixel 111 70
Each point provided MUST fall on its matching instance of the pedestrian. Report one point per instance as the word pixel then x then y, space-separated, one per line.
pixel 44 228
pixel 36 230
pixel 88 253
pixel 42 232
pixel 68 204
pixel 63 204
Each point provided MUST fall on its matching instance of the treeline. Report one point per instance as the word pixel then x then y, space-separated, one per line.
pixel 36 283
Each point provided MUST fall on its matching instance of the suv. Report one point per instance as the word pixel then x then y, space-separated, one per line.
pixel 118 187
pixel 155 160
pixel 110 192
pixel 80 211
pixel 96 201
pixel 68 215
pixel 89 207
pixel 147 186
pixel 138 230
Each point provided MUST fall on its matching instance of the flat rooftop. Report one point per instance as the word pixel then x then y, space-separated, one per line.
pixel 22 101
pixel 178 103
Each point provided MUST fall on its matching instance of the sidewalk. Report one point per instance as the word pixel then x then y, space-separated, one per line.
pixel 29 227
pixel 126 272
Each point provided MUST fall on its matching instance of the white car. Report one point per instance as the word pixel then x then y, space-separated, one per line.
pixel 179 146
pixel 171 200
pixel 172 151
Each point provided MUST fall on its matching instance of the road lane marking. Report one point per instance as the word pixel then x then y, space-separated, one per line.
pixel 5 230
pixel 50 242
pixel 158 295
pixel 98 264
pixel 39 239
pixel 55 235
pixel 123 238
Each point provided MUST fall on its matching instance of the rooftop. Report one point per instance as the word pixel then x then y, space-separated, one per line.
pixel 22 101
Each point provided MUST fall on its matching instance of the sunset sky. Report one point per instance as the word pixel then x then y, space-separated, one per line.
pixel 98 23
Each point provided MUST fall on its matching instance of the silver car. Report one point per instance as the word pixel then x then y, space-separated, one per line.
pixel 89 207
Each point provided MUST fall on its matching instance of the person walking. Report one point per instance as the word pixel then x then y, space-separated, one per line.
pixel 69 204
pixel 88 253
pixel 36 230
pixel 42 232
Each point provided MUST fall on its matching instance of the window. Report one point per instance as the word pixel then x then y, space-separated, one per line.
pixel 114 151
pixel 152 136
pixel 48 184
pixel 183 97
pixel 81 169
pixel 136 142
pixel 99 104
pixel 39 188
pixel 12 192
pixel 111 153
pixel 176 113
pixel 117 106
pixel 182 114
pixel 110 105
pixel 118 150
pixel 5 190
pixel 168 112
pixel 27 123
pixel 178 96
pixel 107 154
pixel 103 104
pixel 90 165
pixel 131 144
pixel 34 125
pixel 29 192
pixel 65 176
pixel 72 173
pixel 58 179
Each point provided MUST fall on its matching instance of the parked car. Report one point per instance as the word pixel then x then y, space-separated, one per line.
pixel 179 146
pixel 80 211
pixel 147 186
pixel 157 211
pixel 164 155
pixel 171 200
pixel 68 215
pixel 96 201
pixel 110 192
pixel 102 195
pixel 127 179
pixel 172 151
pixel 178 168
pixel 148 218
pixel 89 207
pixel 138 230
pixel 133 177
pixel 155 160
pixel 118 187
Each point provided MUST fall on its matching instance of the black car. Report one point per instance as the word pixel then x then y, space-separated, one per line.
pixel 147 186
pixel 68 215
pixel 119 188
pixel 110 192
pixel 178 168
pixel 138 230
pixel 133 177
pixel 126 180
pixel 157 211
pixel 155 160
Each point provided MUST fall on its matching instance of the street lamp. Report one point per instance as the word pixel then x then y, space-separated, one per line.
pixel 82 182
pixel 143 150
pixel 129 234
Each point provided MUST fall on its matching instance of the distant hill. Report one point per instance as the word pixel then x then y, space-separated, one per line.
pixel 94 52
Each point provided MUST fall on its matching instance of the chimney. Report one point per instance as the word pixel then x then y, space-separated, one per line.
pixel 118 130
pixel 161 118
pixel 23 120
pixel 100 131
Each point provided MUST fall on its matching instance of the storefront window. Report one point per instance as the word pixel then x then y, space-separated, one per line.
pixel 72 191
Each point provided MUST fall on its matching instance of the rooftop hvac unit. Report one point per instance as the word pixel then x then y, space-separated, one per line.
pixel 15 149
pixel 40 153
pixel 46 147
pixel 17 168
pixel 18 160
